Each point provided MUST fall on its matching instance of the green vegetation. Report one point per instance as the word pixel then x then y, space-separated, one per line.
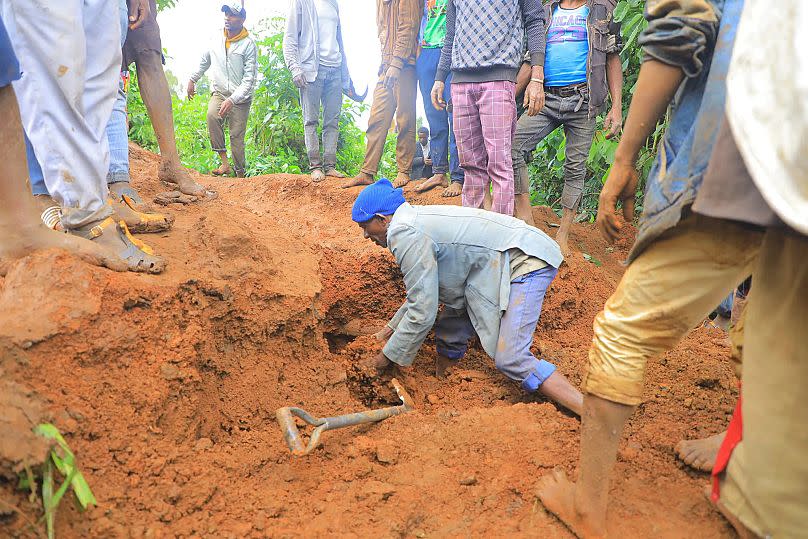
pixel 60 459
pixel 275 130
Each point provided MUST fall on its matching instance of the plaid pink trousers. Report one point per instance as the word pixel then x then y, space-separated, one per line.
pixel 484 125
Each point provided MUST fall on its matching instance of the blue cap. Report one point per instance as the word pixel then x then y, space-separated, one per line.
pixel 379 198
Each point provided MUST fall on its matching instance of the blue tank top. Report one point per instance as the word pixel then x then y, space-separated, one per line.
pixel 567 47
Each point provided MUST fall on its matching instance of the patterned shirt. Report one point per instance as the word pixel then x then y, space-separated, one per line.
pixel 433 25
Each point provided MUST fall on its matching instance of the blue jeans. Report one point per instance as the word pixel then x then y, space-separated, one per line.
pixel 117 134
pixel 514 359
pixel 441 133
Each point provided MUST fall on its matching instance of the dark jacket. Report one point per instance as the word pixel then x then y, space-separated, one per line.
pixel 419 168
pixel 604 39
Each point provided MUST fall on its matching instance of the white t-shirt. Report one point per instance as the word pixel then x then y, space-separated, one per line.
pixel 327 21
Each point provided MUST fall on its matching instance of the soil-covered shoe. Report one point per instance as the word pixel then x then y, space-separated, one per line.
pixel 115 237
pixel 334 173
pixel 138 218
pixel 317 175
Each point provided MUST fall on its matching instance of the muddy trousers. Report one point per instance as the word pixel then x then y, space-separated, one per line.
pixel 237 122
pixel 398 102
pixel 666 291
pixel 66 96
pixel 513 358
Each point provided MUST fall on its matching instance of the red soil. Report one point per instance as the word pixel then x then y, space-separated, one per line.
pixel 166 387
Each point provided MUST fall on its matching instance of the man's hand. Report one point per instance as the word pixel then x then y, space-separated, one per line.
pixel 300 81
pixel 427 161
pixel 381 363
pixel 138 13
pixel 384 334
pixel 534 98
pixel 437 95
pixel 621 185
pixel 391 77
pixel 613 122
pixel 191 89
pixel 227 105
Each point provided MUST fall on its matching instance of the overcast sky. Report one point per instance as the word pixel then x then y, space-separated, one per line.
pixel 186 28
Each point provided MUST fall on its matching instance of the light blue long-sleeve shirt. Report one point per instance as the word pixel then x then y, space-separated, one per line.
pixel 459 257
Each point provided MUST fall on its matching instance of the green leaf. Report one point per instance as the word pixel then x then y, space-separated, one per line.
pixel 592 259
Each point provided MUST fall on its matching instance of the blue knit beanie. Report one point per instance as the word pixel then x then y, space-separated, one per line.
pixel 379 198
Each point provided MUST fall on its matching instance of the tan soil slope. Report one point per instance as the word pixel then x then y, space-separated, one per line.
pixel 166 387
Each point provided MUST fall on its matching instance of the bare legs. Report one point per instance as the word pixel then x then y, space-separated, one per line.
pixel 582 506
pixel 156 97
pixel 21 231
pixel 563 234
pixel 523 209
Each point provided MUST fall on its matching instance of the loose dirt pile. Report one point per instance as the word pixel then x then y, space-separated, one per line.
pixel 166 387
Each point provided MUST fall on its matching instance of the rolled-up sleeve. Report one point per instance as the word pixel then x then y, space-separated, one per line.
pixel 416 255
pixel 680 33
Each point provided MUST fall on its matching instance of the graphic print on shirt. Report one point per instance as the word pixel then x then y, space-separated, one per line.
pixel 567 47
pixel 433 24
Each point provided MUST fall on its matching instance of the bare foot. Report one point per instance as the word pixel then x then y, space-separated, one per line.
pixel 22 241
pixel 557 493
pixel 435 181
pixel 222 170
pixel 455 189
pixel 114 238
pixel 334 173
pixel 176 175
pixel 317 175
pixel 139 221
pixel 564 246
pixel 401 180
pixel 442 363
pixel 361 179
pixel 700 454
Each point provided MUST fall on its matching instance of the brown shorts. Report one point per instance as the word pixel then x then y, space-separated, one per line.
pixel 145 38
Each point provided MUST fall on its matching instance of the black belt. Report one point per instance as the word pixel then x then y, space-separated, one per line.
pixel 567 91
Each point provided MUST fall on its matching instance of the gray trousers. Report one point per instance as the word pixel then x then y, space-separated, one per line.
pixel 572 113
pixel 237 122
pixel 326 89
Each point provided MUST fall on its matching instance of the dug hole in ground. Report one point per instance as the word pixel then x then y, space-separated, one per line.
pixel 166 387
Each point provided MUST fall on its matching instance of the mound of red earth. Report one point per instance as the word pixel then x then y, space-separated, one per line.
pixel 166 388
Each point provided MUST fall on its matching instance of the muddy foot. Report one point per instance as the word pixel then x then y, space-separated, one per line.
pixel 435 181
pixel 22 241
pixel 138 221
pixel 178 177
pixel 455 189
pixel 442 363
pixel 334 173
pixel 174 197
pixel 700 454
pixel 401 180
pixel 317 175
pixel 359 180
pixel 557 493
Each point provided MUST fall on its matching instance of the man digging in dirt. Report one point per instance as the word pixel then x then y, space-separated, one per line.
pixel 489 271
pixel 704 229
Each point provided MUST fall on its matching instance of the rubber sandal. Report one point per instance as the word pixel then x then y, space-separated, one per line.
pixel 137 258
pixel 118 190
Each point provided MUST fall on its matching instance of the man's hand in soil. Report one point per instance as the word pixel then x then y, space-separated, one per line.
pixel 613 122
pixel 437 95
pixel 384 334
pixel 191 90
pixel 138 13
pixel 300 81
pixel 227 106
pixel 381 363
pixel 621 185
pixel 391 77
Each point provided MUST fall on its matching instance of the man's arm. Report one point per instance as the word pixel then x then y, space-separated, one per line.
pixel 445 63
pixel 204 64
pixel 416 256
pixel 535 28
pixel 245 90
pixel 614 78
pixel 409 20
pixel 291 50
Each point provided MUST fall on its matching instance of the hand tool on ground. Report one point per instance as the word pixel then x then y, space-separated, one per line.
pixel 286 419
